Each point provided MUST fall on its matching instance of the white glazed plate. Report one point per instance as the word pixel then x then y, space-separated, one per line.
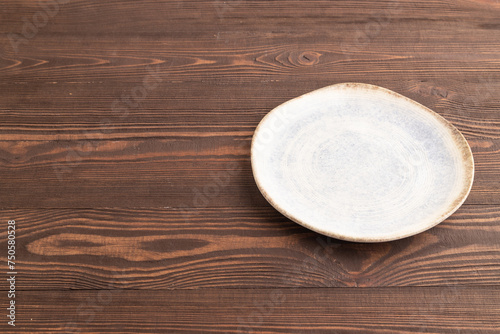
pixel 361 163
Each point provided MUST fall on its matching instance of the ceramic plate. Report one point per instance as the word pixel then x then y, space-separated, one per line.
pixel 361 163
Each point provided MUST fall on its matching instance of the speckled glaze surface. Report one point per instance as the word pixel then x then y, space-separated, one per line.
pixel 361 163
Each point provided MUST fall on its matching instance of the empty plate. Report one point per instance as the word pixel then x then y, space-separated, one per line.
pixel 361 163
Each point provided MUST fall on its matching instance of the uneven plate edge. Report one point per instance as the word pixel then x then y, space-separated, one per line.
pixel 458 138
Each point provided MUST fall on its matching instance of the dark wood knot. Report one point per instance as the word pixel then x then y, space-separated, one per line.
pixel 308 58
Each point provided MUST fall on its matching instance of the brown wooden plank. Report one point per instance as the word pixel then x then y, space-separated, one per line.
pixel 212 58
pixel 184 170
pixel 161 14
pixel 240 248
pixel 350 310
pixel 108 110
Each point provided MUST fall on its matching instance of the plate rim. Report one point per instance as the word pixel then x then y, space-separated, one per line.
pixel 467 160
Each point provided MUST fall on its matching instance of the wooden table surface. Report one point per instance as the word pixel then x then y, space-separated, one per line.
pixel 124 157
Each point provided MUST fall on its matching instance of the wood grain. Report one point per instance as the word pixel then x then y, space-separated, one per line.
pixel 66 110
pixel 73 95
pixel 240 248
pixel 350 310
pixel 124 158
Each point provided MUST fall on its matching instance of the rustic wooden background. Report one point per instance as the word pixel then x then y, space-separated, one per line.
pixel 124 157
